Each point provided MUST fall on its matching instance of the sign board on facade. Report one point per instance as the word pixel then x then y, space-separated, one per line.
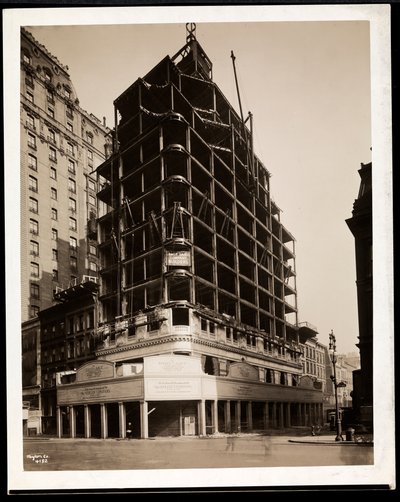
pixel 172 365
pixel 128 390
pixel 306 382
pixel 160 389
pixel 243 371
pixel 95 370
pixel 178 258
pixel 226 389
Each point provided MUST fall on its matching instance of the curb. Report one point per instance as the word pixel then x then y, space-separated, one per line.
pixel 332 443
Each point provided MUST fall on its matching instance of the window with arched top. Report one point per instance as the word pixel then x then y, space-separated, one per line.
pixel 47 75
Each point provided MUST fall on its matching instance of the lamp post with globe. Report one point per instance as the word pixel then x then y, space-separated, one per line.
pixel 333 356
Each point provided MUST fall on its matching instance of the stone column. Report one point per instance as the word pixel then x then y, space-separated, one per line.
pixel 274 421
pixel 202 418
pixel 299 414
pixel 104 420
pixel 288 417
pixel 249 416
pixel 238 416
pixel 59 422
pixel 215 415
pixel 228 424
pixel 87 421
pixel 72 422
pixel 144 420
pixel 122 420
pixel 304 406
pixel 281 416
pixel 266 416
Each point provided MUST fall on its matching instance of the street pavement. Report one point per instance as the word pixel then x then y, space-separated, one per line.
pixel 218 451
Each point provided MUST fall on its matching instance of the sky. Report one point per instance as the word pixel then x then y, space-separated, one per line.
pixel 308 87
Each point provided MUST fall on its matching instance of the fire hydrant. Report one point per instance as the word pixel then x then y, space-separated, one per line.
pixel 350 434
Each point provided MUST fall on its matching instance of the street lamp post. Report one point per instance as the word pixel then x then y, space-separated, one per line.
pixel 332 350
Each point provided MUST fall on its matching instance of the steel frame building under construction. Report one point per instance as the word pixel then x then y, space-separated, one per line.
pixel 198 327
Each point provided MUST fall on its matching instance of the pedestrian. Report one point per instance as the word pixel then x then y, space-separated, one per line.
pixel 129 430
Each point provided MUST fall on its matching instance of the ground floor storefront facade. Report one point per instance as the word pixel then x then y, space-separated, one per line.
pixel 172 396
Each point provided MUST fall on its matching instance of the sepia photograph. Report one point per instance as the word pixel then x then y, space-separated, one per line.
pixel 199 247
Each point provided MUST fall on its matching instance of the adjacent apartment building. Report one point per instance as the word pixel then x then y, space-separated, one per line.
pixel 198 322
pixel 61 146
pixel 360 225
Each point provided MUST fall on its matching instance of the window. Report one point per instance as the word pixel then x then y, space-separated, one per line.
pixel 32 162
pixel 33 184
pixel 212 328
pixel 90 155
pixel 69 112
pixel 72 205
pixel 34 248
pixel 73 243
pixel 34 269
pixel 70 149
pixel 52 136
pixel 54 254
pixel 55 275
pixel 72 224
pixel 29 80
pixel 153 326
pixel 54 215
pixel 29 96
pixel 93 266
pixel 26 58
pixel 50 111
pixel 53 173
pixel 33 227
pixel 89 137
pixel 47 75
pixel 31 140
pixel 34 310
pixel 71 166
pixel 91 184
pixel 30 121
pixel 203 325
pixel 73 262
pixel 35 291
pixel 180 317
pixel 70 127
pixel 54 234
pixel 92 250
pixel 67 92
pixel 53 154
pixel 33 205
pixel 92 200
pixel 50 96
pixel 53 193
pixel 71 185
